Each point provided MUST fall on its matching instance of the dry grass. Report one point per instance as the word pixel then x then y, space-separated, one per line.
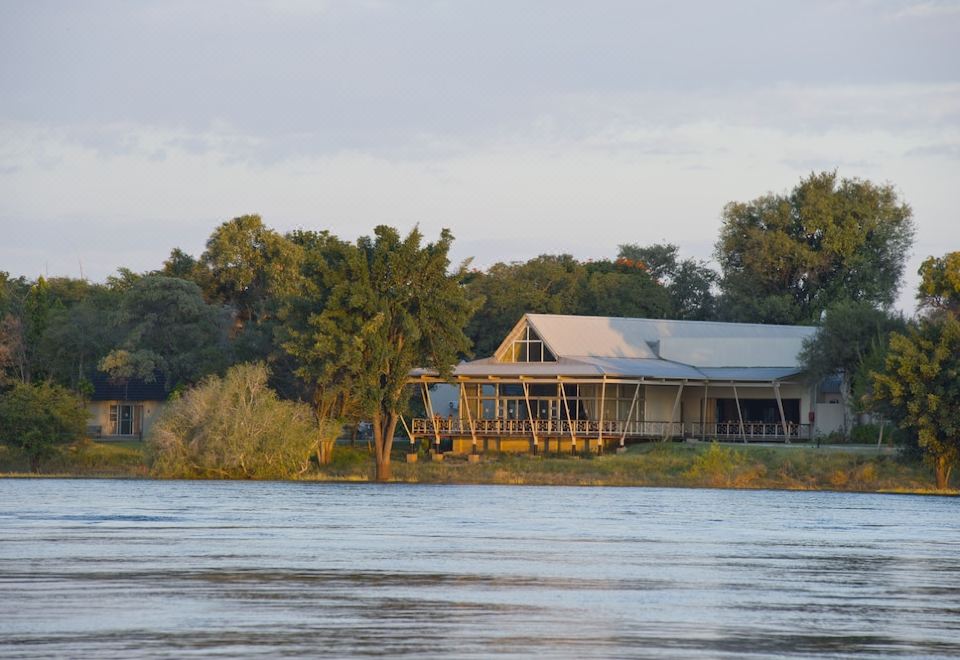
pixel 698 465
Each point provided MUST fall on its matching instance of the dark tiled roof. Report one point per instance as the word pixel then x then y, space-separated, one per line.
pixel 105 389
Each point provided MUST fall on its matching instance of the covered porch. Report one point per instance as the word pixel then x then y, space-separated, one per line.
pixel 576 414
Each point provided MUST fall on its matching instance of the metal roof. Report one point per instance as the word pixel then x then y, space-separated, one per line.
pixel 599 346
pixel 694 343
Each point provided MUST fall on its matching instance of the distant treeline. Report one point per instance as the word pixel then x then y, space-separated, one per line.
pixel 330 317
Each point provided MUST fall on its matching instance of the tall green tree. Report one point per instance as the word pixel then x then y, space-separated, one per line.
pixel 850 333
pixel 249 265
pixel 548 284
pixel 384 306
pixel 166 327
pixel 940 283
pixel 36 418
pixel 689 282
pixel 920 385
pixel 787 258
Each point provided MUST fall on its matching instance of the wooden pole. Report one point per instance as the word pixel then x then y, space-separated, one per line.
pixel 623 436
pixel 739 414
pixel 533 426
pixel 783 418
pixel 466 404
pixel 406 428
pixel 566 406
pixel 703 413
pixel 673 415
pixel 428 404
pixel 603 400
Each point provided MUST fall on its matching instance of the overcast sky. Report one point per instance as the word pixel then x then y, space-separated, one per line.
pixel 130 128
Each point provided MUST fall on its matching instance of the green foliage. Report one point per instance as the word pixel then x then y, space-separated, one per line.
pixel 851 339
pixel 249 266
pixel 940 283
pixel 167 328
pixel 372 312
pixel 786 258
pixel 920 386
pixel 234 428
pixel 36 418
pixel 689 282
pixel 718 465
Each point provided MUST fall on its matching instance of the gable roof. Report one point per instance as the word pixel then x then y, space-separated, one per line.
pixel 596 346
pixel 695 343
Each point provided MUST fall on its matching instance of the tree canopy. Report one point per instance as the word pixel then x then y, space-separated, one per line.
pixel 389 306
pixel 787 258
pixel 920 384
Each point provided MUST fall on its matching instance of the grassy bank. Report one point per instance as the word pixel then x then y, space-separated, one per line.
pixel 699 465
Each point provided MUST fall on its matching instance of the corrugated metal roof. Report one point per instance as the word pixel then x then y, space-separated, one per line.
pixel 593 346
pixel 748 373
pixel 695 343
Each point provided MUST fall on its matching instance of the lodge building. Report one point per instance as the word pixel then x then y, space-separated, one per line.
pixel 581 383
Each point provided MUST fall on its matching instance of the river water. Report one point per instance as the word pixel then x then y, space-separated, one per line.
pixel 111 568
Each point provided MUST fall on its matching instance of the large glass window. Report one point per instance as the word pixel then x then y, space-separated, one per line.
pixel 126 419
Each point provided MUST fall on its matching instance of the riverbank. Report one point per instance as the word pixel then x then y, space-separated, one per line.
pixel 857 468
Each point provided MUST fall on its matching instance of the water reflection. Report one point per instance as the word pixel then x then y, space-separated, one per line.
pixel 120 569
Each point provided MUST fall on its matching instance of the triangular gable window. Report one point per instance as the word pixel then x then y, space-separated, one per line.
pixel 527 346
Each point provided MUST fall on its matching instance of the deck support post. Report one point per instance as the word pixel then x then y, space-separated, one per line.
pixel 566 407
pixel 703 413
pixel 533 426
pixel 428 404
pixel 673 415
pixel 783 418
pixel 466 404
pixel 736 398
pixel 603 400
pixel 413 442
pixel 626 425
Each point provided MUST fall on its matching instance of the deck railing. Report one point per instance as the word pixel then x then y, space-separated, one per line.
pixel 450 427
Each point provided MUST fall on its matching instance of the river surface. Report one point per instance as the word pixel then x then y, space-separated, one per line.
pixel 112 568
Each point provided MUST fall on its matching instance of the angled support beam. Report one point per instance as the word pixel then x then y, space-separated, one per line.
pixel 623 436
pixel 603 401
pixel 783 418
pixel 673 415
pixel 533 426
pixel 566 407
pixel 736 398
pixel 428 404
pixel 466 404
pixel 406 428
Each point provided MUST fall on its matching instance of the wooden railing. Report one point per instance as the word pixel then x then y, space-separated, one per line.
pixel 449 427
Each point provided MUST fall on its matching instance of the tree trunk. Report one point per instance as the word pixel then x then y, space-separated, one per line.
pixel 845 401
pixel 384 426
pixel 942 469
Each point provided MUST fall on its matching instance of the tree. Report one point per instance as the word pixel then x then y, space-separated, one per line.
pixel 235 427
pixel 787 258
pixel 849 333
pixel 36 418
pixel 382 307
pixel 548 284
pixel 920 384
pixel 689 282
pixel 621 288
pixel 249 266
pixel 940 283
pixel 166 327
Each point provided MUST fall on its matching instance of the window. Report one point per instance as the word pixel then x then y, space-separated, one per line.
pixel 126 419
pixel 527 347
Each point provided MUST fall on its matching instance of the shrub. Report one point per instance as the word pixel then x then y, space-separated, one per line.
pixel 234 428
pixel 718 465
pixel 36 418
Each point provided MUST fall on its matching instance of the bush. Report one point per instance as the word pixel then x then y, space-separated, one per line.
pixel 37 418
pixel 233 428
